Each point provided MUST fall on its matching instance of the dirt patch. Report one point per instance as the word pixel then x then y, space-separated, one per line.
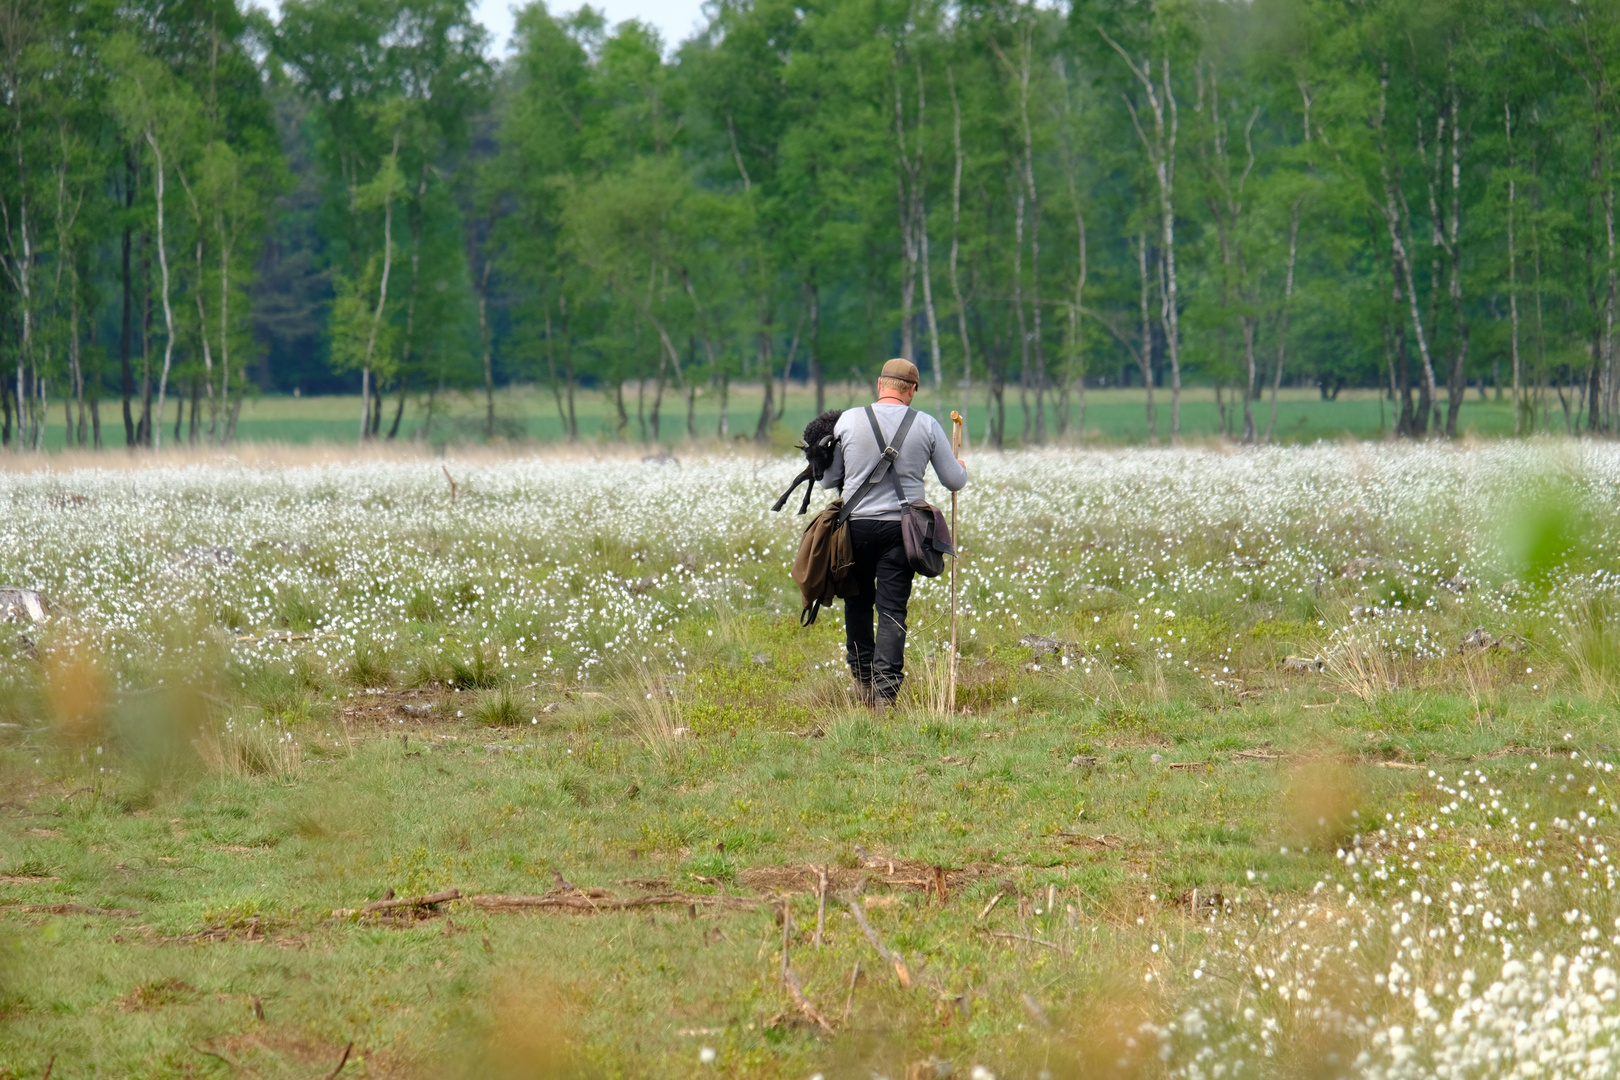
pixel 252 928
pixel 1519 750
pixel 598 901
pixel 293 1046
pixel 398 708
pixel 905 874
pixel 69 909
pixel 154 995
pixel 27 879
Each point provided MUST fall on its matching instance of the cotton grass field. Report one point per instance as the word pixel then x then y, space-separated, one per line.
pixel 1295 762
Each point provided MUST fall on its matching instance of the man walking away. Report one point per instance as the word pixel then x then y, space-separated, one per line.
pixel 881 569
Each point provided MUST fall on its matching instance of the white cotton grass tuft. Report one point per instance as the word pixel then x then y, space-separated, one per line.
pixel 1495 968
pixel 511 569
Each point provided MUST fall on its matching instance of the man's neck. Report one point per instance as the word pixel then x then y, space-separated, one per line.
pixel 891 401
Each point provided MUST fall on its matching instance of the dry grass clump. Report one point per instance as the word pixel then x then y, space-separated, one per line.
pixel 1360 664
pixel 655 714
pixel 251 749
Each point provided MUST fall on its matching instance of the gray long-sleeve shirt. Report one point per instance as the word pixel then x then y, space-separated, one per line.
pixel 858 454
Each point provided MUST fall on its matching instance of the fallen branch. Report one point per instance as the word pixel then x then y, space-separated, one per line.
pixel 802 1003
pixel 991 906
pixel 1025 937
pixel 578 902
pixel 430 900
pixel 883 950
pixel 791 981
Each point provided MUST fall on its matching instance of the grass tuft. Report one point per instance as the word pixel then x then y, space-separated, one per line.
pixel 499 708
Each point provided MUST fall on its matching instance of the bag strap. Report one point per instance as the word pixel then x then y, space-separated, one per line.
pixel 889 453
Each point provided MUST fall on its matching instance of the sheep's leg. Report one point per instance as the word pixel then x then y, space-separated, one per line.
pixel 797 480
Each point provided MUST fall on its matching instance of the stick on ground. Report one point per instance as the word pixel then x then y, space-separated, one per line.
pixel 883 950
pixel 821 903
pixel 412 901
pixel 795 988
pixel 1026 937
pixel 802 1003
pixel 342 1061
pixel 855 973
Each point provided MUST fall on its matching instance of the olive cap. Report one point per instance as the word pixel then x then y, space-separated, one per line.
pixel 901 369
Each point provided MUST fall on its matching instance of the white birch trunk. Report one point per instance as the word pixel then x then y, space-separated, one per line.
pixel 202 313
pixel 382 300
pixel 1144 358
pixel 1513 274
pixel 956 234
pixel 1034 237
pixel 906 181
pixel 483 340
pixel 1161 152
pixel 1393 219
pixel 1282 328
pixel 1076 342
pixel 168 309
pixel 224 329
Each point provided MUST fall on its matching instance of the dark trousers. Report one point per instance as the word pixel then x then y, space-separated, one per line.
pixel 885 577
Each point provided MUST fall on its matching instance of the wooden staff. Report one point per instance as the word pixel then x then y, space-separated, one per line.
pixel 956 540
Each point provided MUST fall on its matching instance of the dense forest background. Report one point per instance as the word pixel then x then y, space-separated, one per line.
pixel 202 204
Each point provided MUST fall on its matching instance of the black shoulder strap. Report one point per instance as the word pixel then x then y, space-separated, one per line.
pixel 889 453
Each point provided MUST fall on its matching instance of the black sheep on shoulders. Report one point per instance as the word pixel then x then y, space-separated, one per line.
pixel 819 446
